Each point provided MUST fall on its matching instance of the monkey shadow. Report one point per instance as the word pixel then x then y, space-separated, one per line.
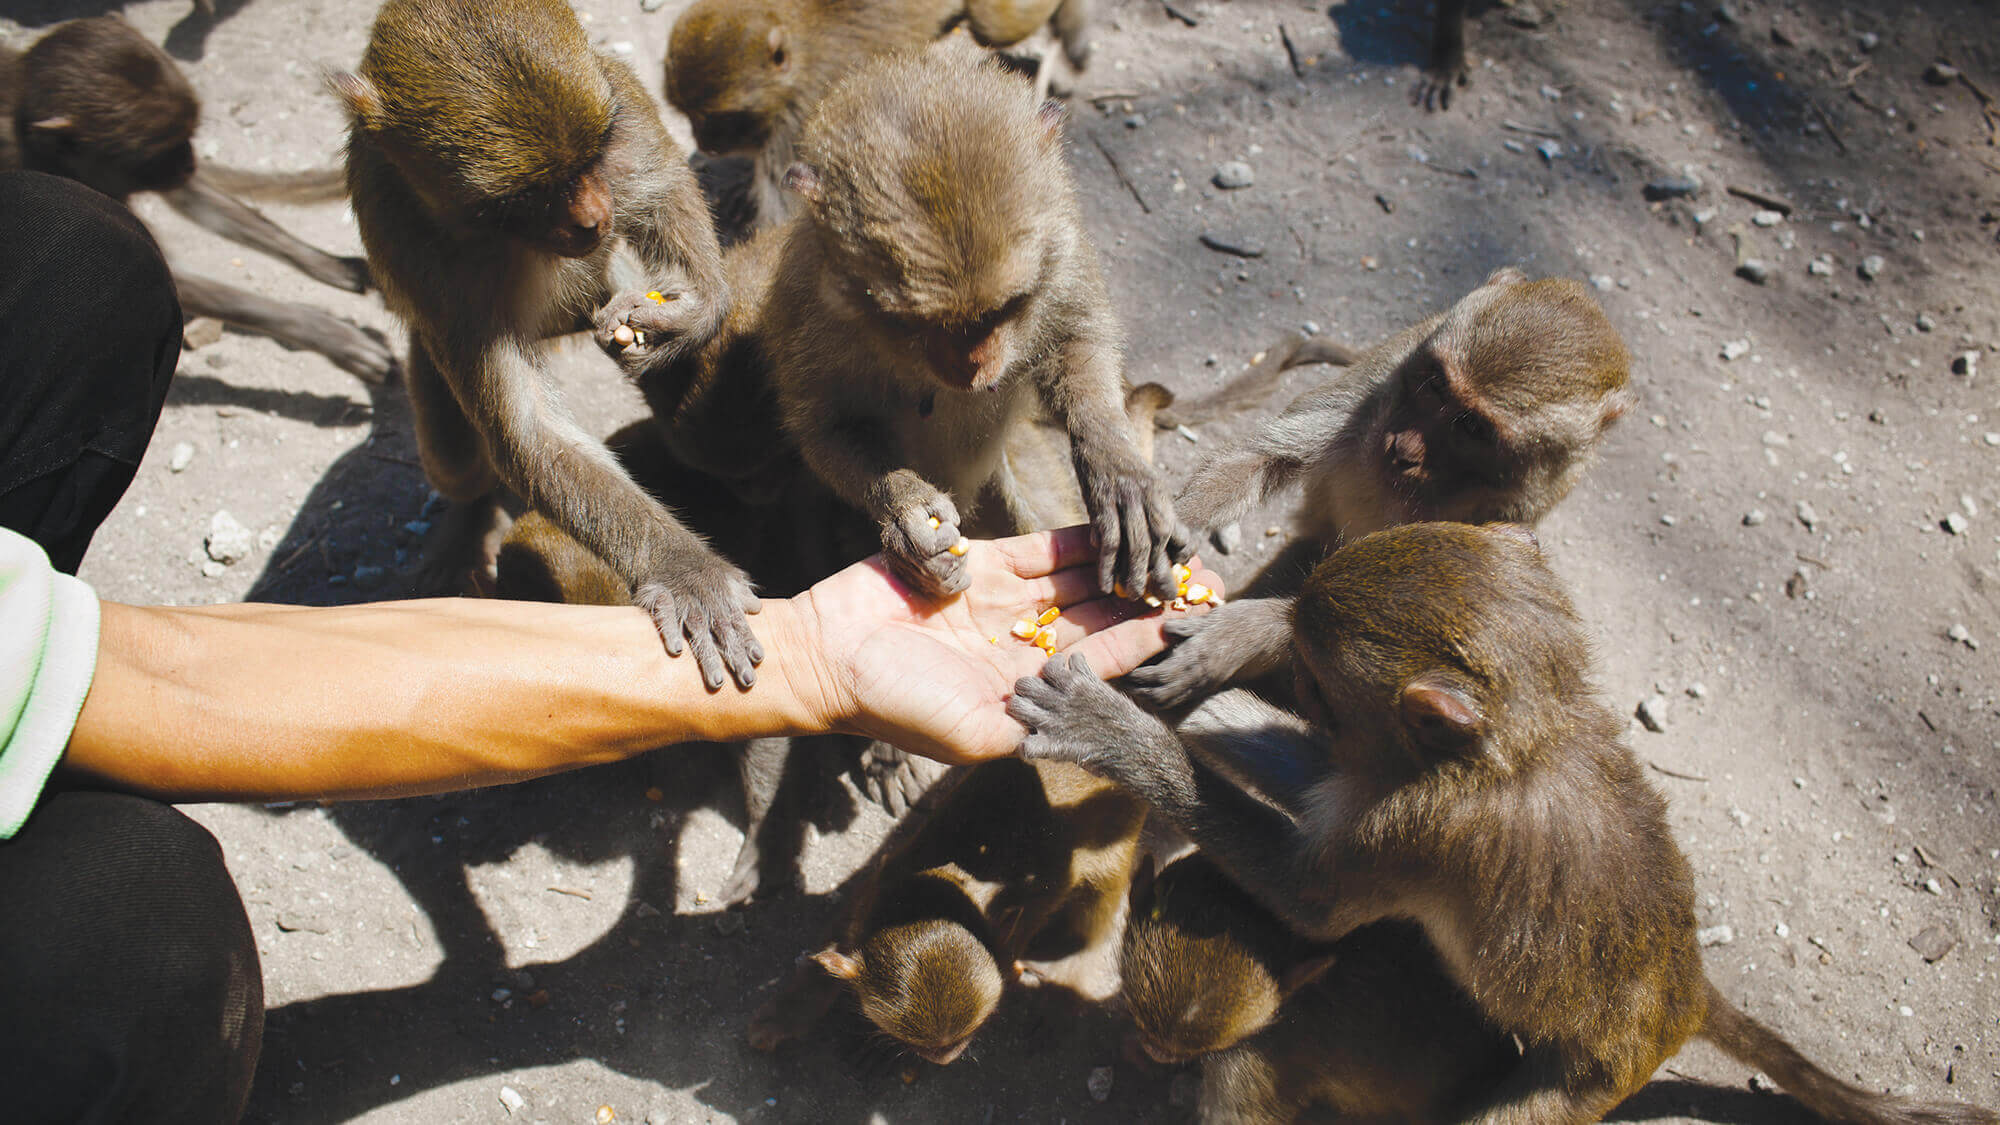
pixel 323 411
pixel 1392 32
pixel 187 40
pixel 1671 1098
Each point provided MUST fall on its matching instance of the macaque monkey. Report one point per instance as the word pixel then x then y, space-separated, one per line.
pixel 1001 861
pixel 937 289
pixel 1490 411
pixel 1456 770
pixel 508 180
pixel 96 102
pixel 1448 67
pixel 748 72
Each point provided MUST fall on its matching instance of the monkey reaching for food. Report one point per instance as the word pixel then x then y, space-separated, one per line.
pixel 508 180
pixel 937 288
pixel 96 102
pixel 748 72
pixel 1490 411
pixel 1458 772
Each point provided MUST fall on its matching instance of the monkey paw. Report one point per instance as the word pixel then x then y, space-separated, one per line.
pixel 642 329
pixel 1071 715
pixel 1139 539
pixel 1433 91
pixel 706 604
pixel 1196 667
pixel 925 548
pixel 893 778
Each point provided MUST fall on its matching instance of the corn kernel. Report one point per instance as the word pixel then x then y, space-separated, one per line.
pixel 622 334
pixel 993 640
pixel 1046 640
pixel 959 548
pixel 1182 573
pixel 1048 616
pixel 1152 602
pixel 639 338
pixel 1198 593
pixel 1118 588
pixel 1179 605
pixel 936 522
pixel 1023 629
pixel 656 297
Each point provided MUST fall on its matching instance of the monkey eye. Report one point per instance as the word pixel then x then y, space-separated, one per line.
pixel 1473 426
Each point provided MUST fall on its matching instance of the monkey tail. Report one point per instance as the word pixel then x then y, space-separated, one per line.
pixel 1260 378
pixel 1753 1044
pixel 321 185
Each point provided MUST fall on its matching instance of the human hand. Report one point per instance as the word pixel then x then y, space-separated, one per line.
pixel 934 678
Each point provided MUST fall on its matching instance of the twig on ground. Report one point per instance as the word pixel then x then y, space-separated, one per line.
pixel 1119 172
pixel 1776 203
pixel 1292 53
pixel 1658 768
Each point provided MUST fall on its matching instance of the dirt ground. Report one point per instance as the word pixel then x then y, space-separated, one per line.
pixel 1792 542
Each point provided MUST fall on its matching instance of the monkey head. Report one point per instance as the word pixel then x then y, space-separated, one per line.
pixel 102 105
pixel 507 125
pixel 1438 643
pixel 1494 416
pixel 927 974
pixel 1202 966
pixel 937 188
pixel 732 68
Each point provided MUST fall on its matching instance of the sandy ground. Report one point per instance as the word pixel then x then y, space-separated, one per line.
pixel 1764 546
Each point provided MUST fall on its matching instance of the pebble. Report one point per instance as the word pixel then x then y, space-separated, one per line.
pixel 212 569
pixel 1714 936
pixel 1870 267
pixel 1992 437
pixel 200 332
pixel 1526 16
pixel 1933 942
pixel 1754 518
pixel 1741 818
pixel 180 458
pixel 1672 187
pixel 1735 349
pixel 1940 74
pixel 1798 585
pixel 1934 887
pixel 1602 282
pixel 228 541
pixel 1868 40
pixel 1652 713
pixel 1782 930
pixel 1668 520
pixel 1697 690
pixel 1756 271
pixel 1807 515
pixel 1234 175
pixel 1760 1083
pixel 1134 121
pixel 1514 146
pixel 1820 267
pixel 1551 151
pixel 1310 328
pixel 1099 1083
pixel 1965 363
pixel 1962 635
pixel 1239 247
pixel 1768 218
pixel 1926 323
pixel 650 5
pixel 1953 523
pixel 511 1100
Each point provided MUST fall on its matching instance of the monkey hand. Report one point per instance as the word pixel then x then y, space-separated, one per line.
pixel 1446 71
pixel 1256 637
pixel 921 539
pixel 1072 716
pixel 1139 539
pixel 893 778
pixel 640 331
pixel 702 601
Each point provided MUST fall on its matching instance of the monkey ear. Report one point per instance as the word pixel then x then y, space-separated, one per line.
pixel 1052 114
pixel 57 124
pixel 1142 880
pixel 1616 405
pixel 1306 972
pixel 1506 275
pixel 838 964
pixel 358 94
pixel 804 179
pixel 1440 715
pixel 780 58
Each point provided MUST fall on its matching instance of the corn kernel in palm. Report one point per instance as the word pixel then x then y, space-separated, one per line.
pixel 1197 593
pixel 1045 640
pixel 959 548
pixel 1048 616
pixel 1182 573
pixel 1023 629
pixel 1152 602
pixel 1178 605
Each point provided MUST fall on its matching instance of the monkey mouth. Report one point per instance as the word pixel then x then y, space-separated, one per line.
pixel 942 1056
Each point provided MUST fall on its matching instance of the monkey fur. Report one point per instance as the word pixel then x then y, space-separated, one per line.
pixel 96 102
pixel 1490 411
pixel 1455 769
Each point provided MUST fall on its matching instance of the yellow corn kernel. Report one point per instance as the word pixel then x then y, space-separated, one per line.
pixel 1118 588
pixel 1023 629
pixel 1046 640
pixel 1182 574
pixel 1178 605
pixel 959 548
pixel 1197 593
pixel 936 522
pixel 1048 616
pixel 993 640
pixel 657 297
pixel 622 334
pixel 1152 602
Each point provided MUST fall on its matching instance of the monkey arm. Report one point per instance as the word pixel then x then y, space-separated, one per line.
pixel 1245 639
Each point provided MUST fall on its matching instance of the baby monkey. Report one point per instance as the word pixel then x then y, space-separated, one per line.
pixel 1458 772
pixel 1000 862
pixel 1490 411
pixel 1368 1027
pixel 937 288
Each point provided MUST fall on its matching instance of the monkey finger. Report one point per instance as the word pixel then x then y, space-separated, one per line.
pixel 1187 625
pixel 658 602
pixel 1135 551
pixel 1104 534
pixel 706 658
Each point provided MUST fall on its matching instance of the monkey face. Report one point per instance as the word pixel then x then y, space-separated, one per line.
pixel 1441 449
pixel 568 220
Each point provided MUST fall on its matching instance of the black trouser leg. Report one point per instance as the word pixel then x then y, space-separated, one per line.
pixel 129 984
pixel 90 331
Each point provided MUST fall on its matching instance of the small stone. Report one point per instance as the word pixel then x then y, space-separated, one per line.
pixel 1992 437
pixel 1940 74
pixel 1652 713
pixel 1134 121
pixel 181 457
pixel 200 332
pixel 1551 150
pixel 650 5
pixel 228 541
pixel 417 529
pixel 1962 635
pixel 1807 515
pixel 1870 267
pixel 1953 523
pixel 1934 887
pixel 1768 218
pixel 1933 942
pixel 1715 935
pixel 1761 1083
pixel 1926 323
pixel 502 995
pixel 1820 267
pixel 1237 247
pixel 1965 363
pixel 1798 585
pixel 511 1100
pixel 1602 282
pixel 622 47
pixel 1370 262
pixel 1527 16
pixel 1672 187
pixel 1726 13
pixel 1234 175
pixel 1735 349
pixel 1310 328
pixel 1756 271
pixel 1099 1083
pixel 1868 41
pixel 1754 518
pixel 1667 519
pixel 1782 930
pixel 1697 690
pixel 1741 818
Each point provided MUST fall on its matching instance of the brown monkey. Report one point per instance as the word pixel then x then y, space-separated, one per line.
pixel 1489 411
pixel 508 180
pixel 1001 861
pixel 1369 1027
pixel 748 72
pixel 1458 772
pixel 96 102
pixel 1448 67
pixel 938 287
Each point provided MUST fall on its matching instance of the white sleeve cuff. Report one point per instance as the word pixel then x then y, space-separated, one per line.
pixel 54 619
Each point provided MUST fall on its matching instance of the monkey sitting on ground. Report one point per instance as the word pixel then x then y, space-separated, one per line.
pixel 938 287
pixel 1368 1027
pixel 96 102
pixel 1490 411
pixel 508 180
pixel 1001 862
pixel 1458 771
pixel 748 72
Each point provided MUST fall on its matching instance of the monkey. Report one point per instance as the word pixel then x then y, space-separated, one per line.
pixel 939 286
pixel 1447 67
pixel 1369 1026
pixel 1248 389
pixel 746 73
pixel 1490 411
pixel 96 102
pixel 1001 862
pixel 1455 769
pixel 507 180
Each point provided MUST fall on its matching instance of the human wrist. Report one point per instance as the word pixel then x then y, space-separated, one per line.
pixel 801 690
